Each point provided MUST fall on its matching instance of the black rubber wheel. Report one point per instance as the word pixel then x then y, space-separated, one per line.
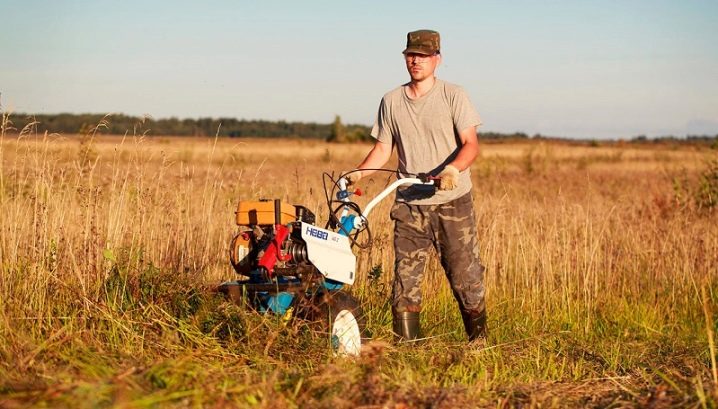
pixel 342 319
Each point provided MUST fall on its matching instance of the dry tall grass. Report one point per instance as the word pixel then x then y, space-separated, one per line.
pixel 601 275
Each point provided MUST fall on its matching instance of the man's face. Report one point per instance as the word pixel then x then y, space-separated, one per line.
pixel 421 66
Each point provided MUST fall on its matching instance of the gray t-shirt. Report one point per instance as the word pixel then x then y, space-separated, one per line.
pixel 426 133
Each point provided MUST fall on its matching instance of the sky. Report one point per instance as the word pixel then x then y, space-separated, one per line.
pixel 570 68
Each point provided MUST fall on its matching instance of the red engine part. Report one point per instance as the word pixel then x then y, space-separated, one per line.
pixel 273 252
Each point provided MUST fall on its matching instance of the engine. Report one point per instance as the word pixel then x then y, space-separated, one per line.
pixel 266 240
pixel 278 239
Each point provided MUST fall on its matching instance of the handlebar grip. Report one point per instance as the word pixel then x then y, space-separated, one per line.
pixel 427 177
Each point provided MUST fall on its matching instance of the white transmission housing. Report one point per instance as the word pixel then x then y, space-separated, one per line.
pixel 330 253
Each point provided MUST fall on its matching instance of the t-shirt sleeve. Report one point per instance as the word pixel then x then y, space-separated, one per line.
pixel 381 130
pixel 463 111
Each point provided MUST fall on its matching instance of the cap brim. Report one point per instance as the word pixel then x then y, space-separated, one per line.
pixel 416 50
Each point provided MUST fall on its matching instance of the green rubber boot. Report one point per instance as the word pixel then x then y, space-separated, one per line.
pixel 474 324
pixel 406 325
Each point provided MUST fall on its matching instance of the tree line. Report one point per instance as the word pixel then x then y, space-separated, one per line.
pixel 121 124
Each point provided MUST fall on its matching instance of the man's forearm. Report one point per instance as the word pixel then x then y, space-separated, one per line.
pixel 469 149
pixel 467 155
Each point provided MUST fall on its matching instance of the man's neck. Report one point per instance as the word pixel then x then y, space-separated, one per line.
pixel 418 89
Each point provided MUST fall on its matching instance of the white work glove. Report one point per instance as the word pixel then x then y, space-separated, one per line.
pixel 352 176
pixel 449 178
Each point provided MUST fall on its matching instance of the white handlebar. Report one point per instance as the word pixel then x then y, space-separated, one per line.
pixel 384 193
pixel 359 221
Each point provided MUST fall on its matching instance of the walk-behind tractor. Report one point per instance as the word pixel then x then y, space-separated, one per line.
pixel 292 266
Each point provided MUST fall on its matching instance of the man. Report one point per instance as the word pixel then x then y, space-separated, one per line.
pixel 433 126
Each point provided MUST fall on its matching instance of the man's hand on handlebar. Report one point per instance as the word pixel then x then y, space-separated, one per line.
pixel 449 178
pixel 352 176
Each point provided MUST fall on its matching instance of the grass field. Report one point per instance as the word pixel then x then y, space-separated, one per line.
pixel 602 278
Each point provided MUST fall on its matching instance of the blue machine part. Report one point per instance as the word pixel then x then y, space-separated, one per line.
pixel 332 285
pixel 278 303
pixel 347 223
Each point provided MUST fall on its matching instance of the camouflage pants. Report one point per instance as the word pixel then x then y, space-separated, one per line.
pixel 451 229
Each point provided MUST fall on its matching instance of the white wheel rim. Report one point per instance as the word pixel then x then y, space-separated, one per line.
pixel 346 338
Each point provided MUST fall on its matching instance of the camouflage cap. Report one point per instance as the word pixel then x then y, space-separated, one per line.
pixel 422 42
